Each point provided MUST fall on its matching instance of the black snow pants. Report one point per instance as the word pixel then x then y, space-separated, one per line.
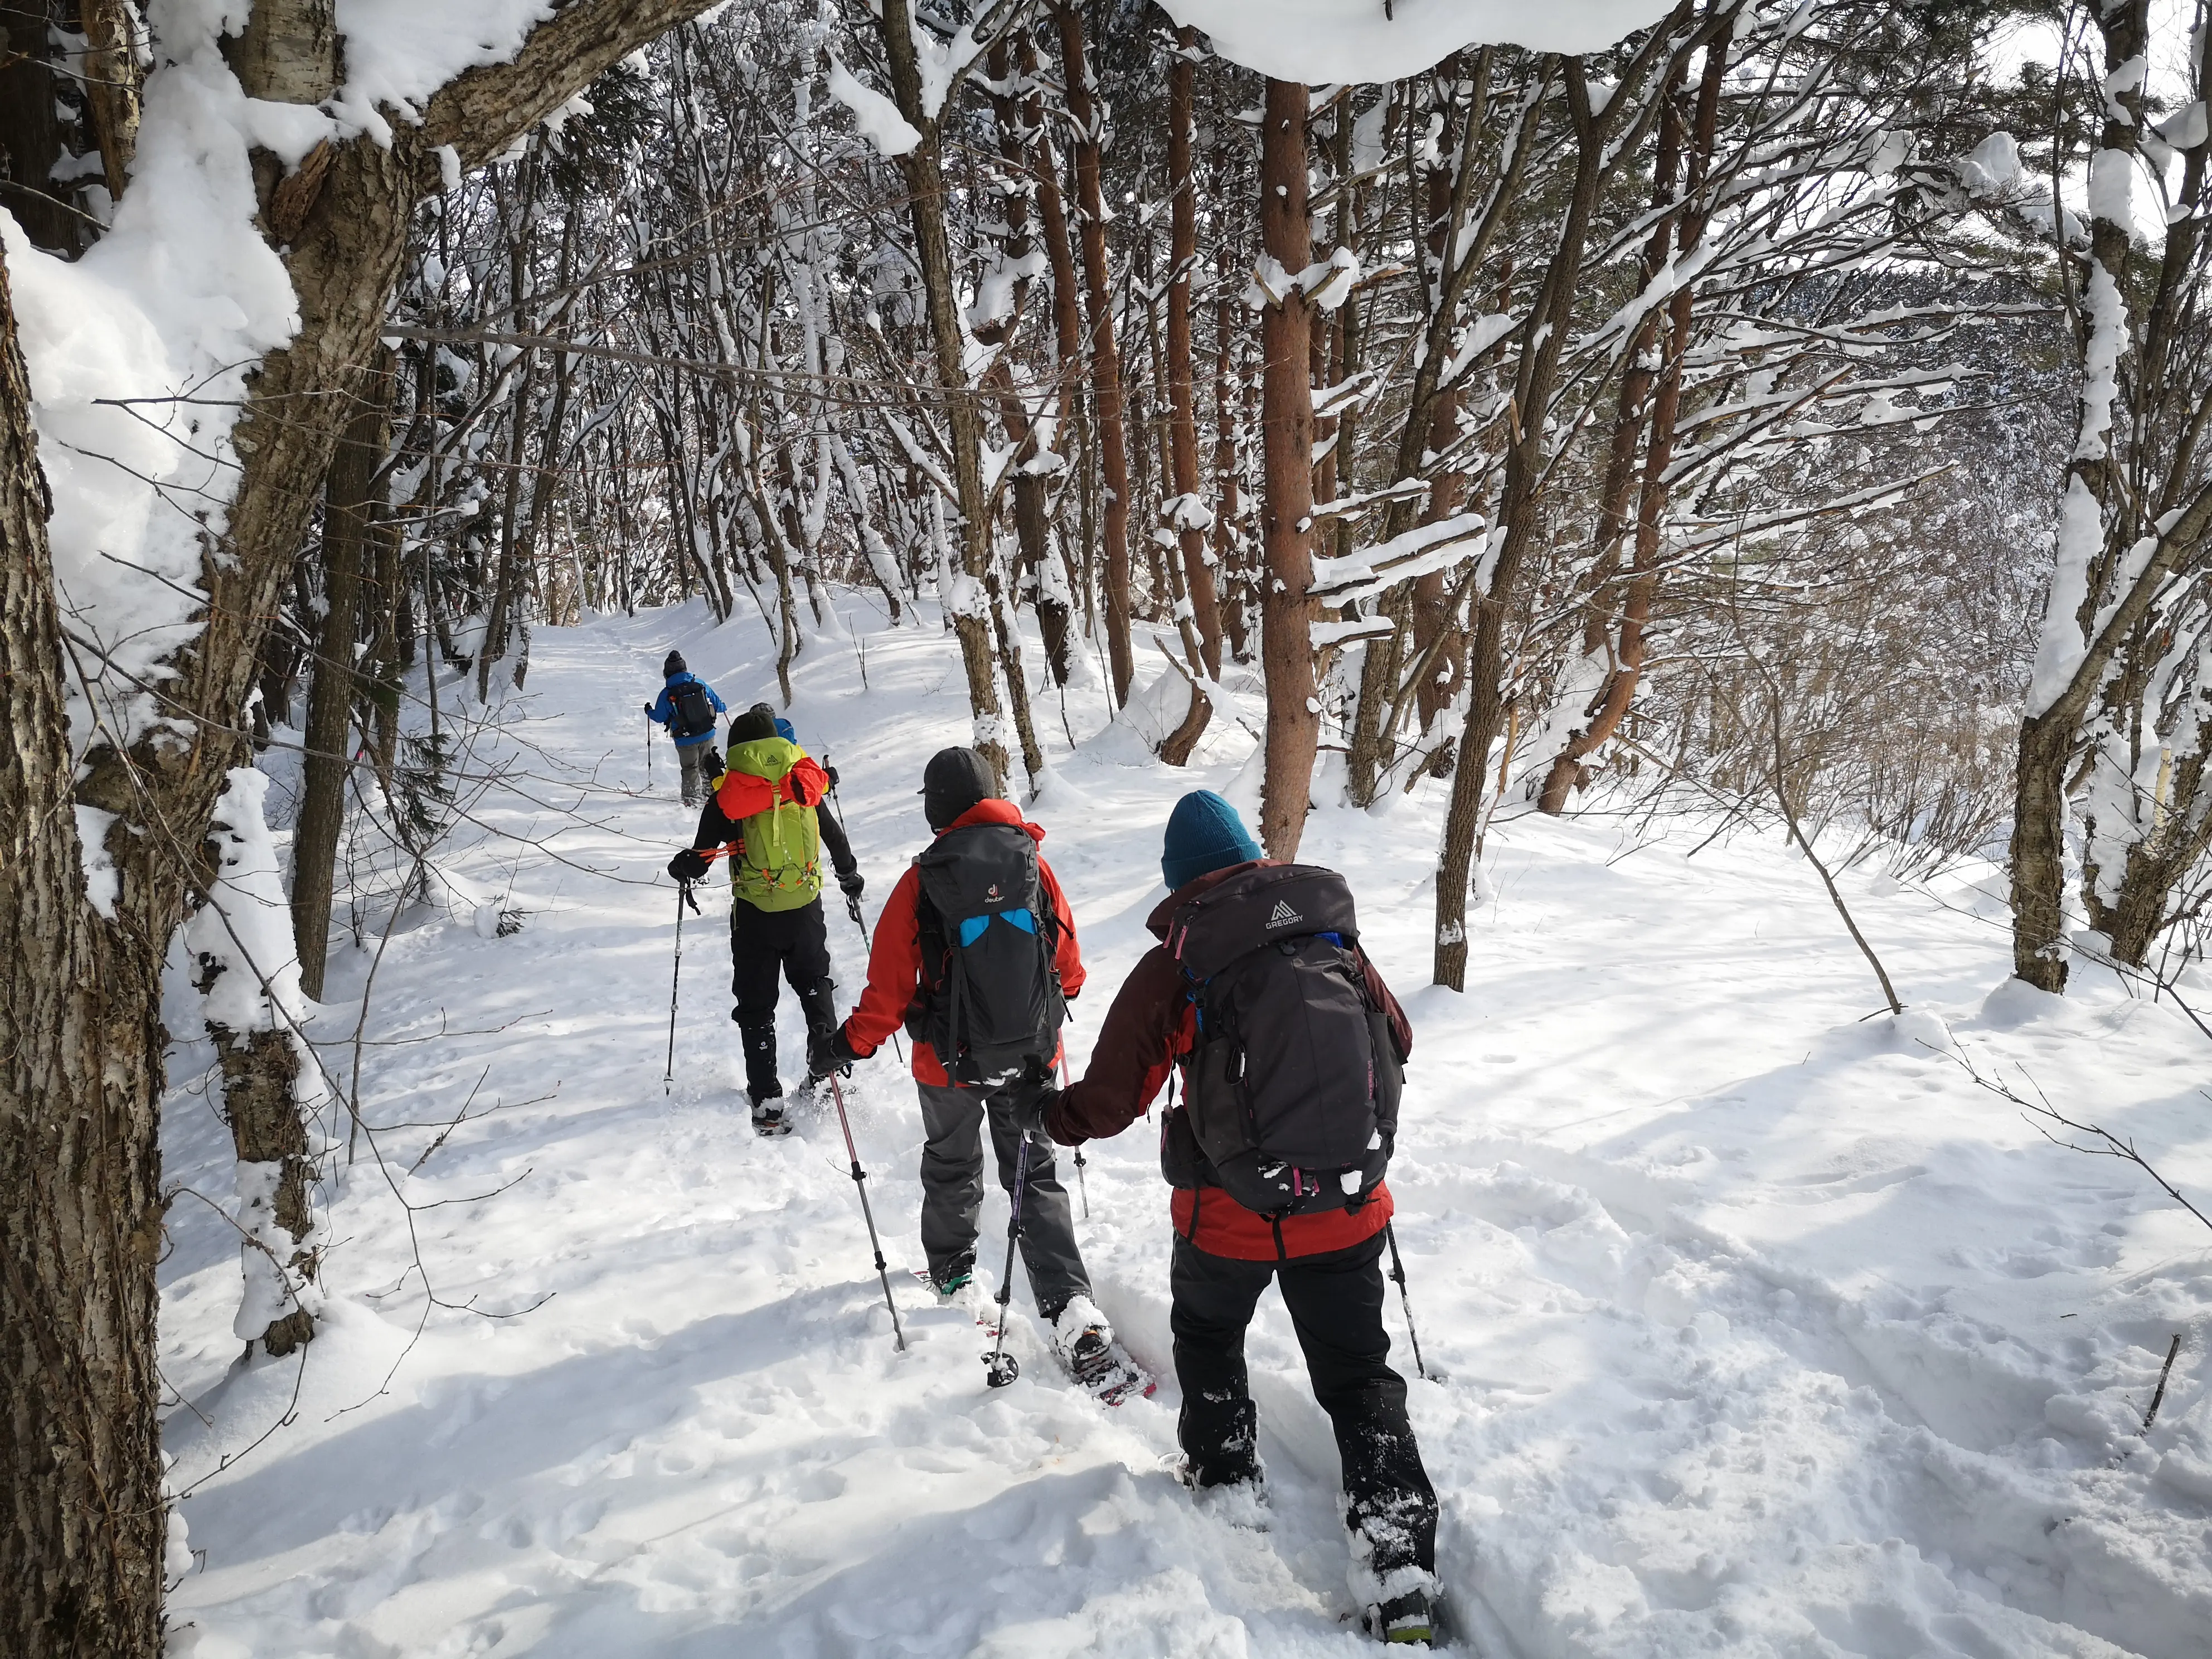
pixel 952 1190
pixel 1336 1306
pixel 764 944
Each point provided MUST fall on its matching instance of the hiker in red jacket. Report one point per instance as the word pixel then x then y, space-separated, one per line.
pixel 1000 950
pixel 1323 1240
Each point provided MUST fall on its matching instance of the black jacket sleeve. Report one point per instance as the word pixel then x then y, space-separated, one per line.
pixel 832 837
pixel 715 829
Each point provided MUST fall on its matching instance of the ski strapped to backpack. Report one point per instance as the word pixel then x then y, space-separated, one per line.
pixel 1290 1088
pixel 991 1004
pixel 694 715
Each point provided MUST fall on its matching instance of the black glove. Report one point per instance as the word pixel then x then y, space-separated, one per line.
pixel 831 1053
pixel 832 772
pixel 854 884
pixel 688 866
pixel 648 711
pixel 1031 1110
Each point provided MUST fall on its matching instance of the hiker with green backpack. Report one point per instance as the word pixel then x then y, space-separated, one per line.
pixel 762 816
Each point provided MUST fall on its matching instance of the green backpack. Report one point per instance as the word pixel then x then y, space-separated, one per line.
pixel 781 866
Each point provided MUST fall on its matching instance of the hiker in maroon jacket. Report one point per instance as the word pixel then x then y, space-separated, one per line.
pixel 1327 1260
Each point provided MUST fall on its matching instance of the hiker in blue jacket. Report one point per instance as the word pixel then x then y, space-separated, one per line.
pixel 689 717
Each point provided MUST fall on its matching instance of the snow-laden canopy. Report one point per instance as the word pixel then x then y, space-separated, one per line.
pixel 1322 42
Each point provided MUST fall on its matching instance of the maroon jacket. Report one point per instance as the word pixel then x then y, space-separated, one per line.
pixel 1149 1027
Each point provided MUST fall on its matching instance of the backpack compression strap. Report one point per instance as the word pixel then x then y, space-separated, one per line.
pixel 742 795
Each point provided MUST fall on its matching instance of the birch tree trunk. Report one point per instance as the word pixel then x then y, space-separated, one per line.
pixel 1287 609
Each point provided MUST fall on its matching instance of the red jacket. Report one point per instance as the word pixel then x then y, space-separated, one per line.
pixel 1149 1029
pixel 895 960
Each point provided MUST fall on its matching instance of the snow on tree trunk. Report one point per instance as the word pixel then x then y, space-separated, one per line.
pixel 249 980
pixel 1190 518
pixel 1287 607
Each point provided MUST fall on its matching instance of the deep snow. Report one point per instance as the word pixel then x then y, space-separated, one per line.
pixel 1760 1329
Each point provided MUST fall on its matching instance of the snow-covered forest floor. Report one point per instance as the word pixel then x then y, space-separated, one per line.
pixel 1757 1327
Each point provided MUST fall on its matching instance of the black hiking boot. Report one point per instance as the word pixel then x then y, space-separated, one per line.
pixel 761 1081
pixel 953 1278
pixel 769 1118
pixel 1408 1620
pixel 818 1003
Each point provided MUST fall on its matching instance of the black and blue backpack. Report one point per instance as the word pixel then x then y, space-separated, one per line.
pixel 991 1004
pixel 694 713
pixel 1292 1085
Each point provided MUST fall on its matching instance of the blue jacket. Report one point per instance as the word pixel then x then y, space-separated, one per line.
pixel 663 710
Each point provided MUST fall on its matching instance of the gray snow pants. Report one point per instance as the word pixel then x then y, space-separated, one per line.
pixel 952 1189
pixel 688 760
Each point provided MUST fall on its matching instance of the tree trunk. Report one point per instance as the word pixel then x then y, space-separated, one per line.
pixel 80 1044
pixel 80 1166
pixel 1620 637
pixel 347 514
pixel 1109 432
pixel 922 169
pixel 1287 608
pixel 1519 511
pixel 30 137
pixel 2049 732
pixel 112 78
pixel 506 580
pixel 1054 610
pixel 1020 121
pixel 1227 395
pixel 1190 528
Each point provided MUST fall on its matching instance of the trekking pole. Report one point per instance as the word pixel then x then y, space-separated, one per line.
pixel 860 1186
pixel 683 897
pixel 1398 1273
pixel 999 1367
pixel 1081 1186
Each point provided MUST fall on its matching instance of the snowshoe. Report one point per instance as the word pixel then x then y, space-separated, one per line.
pixel 1087 1348
pixel 949 1284
pixel 957 1289
pixel 769 1117
pixel 1242 1504
pixel 1408 1620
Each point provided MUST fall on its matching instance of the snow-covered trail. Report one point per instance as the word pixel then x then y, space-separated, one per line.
pixel 1757 1329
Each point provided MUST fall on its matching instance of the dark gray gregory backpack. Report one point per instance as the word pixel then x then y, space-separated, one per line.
pixel 992 1007
pixel 1291 1090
